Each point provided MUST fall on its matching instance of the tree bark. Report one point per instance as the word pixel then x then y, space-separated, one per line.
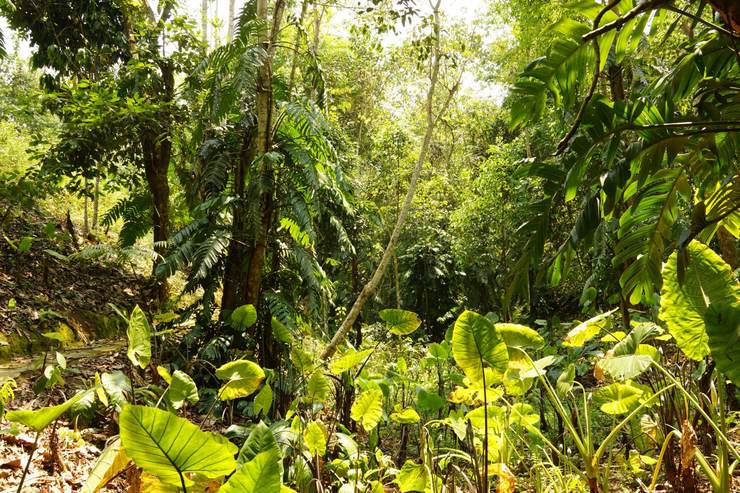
pixel 204 22
pixel 296 44
pixel 230 27
pixel 371 286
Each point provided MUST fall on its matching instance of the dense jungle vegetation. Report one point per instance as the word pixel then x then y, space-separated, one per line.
pixel 369 246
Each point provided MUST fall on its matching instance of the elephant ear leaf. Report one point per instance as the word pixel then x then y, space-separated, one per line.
pixel 172 448
pixel 707 280
pixel 243 317
pixel 723 330
pixel 260 474
pixel 476 345
pixel 368 409
pixel 260 439
pixel 139 338
pixel 400 322
pixel 242 378
pixel 111 462
pixel 39 419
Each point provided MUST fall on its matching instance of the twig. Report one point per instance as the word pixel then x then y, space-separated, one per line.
pixel 616 24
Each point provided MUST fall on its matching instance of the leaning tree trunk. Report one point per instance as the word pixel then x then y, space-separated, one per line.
pixel 372 285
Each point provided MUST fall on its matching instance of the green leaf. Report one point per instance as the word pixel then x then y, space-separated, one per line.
pixel 39 419
pixel 111 462
pixel 429 401
pixel 405 416
pixel 619 398
pixel 723 331
pixel 523 415
pixel 626 366
pixel 708 280
pixel 182 388
pixel 263 400
pixel 139 338
pixel 412 477
pixel 261 474
pixel 584 331
pixel 496 418
pixel 116 385
pixel 243 317
pixel 280 331
pixel 565 381
pixel 476 344
pixel 315 438
pixel 242 378
pixel 400 322
pixel 318 387
pixel 520 336
pixel 167 446
pixel 439 351
pixel 349 360
pixel 368 409
pixel 261 439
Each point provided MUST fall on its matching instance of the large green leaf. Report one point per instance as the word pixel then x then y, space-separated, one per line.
pixel 182 389
pixel 626 366
pixel 405 416
pixel 400 322
pixel 259 475
pixel 318 387
pixel 520 336
pixel 41 418
pixel 263 400
pixel 620 398
pixel 584 331
pixel 243 317
pixel 412 477
pixel 477 345
pixel 167 446
pixel 111 462
pixel 242 378
pixel 261 439
pixel 708 280
pixel 116 385
pixel 723 330
pixel 315 438
pixel 368 409
pixel 139 338
pixel 349 360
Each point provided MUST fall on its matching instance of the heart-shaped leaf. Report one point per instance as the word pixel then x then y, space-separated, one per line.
pixel 242 378
pixel 400 322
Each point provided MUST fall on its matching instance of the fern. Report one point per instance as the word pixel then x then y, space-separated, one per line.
pixel 6 395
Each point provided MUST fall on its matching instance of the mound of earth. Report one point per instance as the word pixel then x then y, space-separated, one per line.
pixel 45 287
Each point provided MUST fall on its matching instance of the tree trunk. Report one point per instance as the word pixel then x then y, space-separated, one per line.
pixel 204 22
pixel 296 44
pixel 96 203
pixel 230 27
pixel 372 285
pixel 316 40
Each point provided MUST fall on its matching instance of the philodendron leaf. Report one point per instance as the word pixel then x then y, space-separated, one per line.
pixel 520 336
pixel 259 475
pixel 263 400
pixel 565 381
pixel 242 378
pixel 315 438
pixel 477 345
pixel 167 446
pixel 723 331
pixel 318 387
pixel 182 389
pixel 349 360
pixel 116 385
pixel 368 409
pixel 111 462
pixel 584 331
pixel 39 419
pixel 406 416
pixel 400 322
pixel 139 338
pixel 243 317
pixel 260 439
pixel 620 398
pixel 412 477
pixel 708 280
pixel 626 366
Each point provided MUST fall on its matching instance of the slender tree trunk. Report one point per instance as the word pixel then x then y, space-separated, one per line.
pixel 371 286
pixel 204 22
pixel 319 15
pixel 230 27
pixel 297 44
pixel 85 221
pixel 96 203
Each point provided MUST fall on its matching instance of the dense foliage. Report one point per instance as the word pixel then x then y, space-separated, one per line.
pixel 390 246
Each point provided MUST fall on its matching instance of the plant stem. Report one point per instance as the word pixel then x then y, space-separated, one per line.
pixel 28 463
pixel 182 482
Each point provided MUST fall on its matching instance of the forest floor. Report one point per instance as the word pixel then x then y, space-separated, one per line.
pixel 42 290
